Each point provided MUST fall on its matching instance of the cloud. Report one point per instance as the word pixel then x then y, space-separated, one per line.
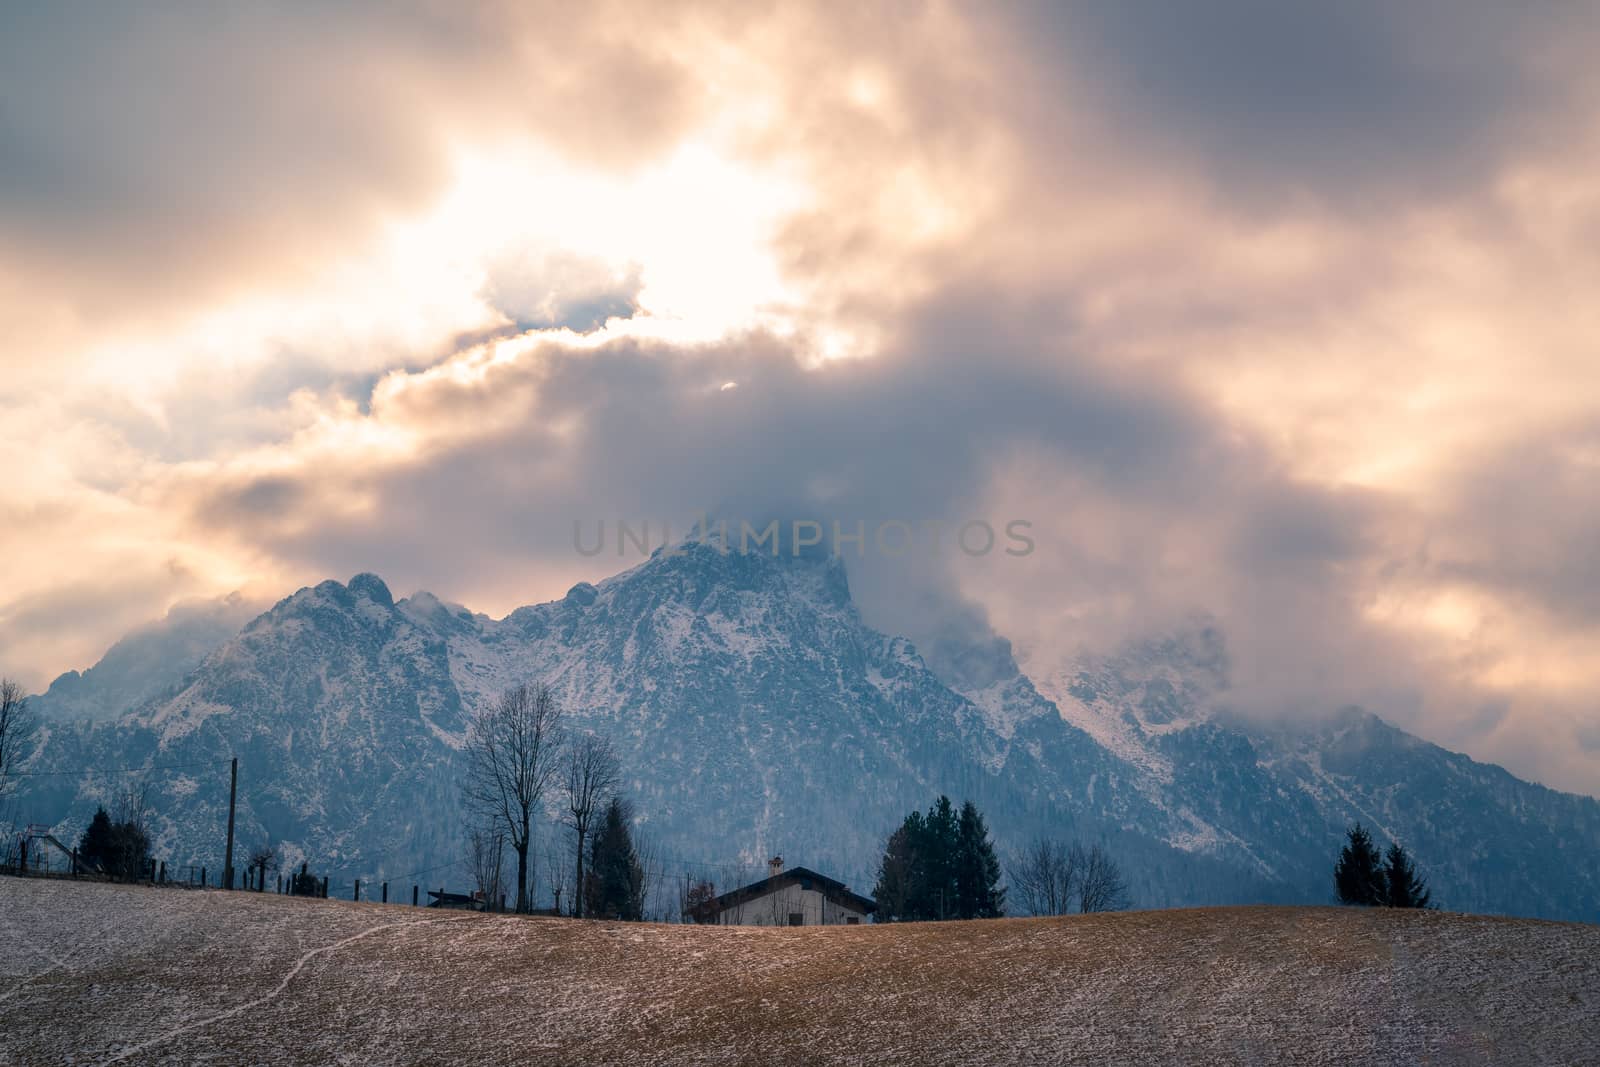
pixel 1146 508
pixel 561 290
pixel 1522 520
pixel 1351 105
pixel 173 155
pixel 49 626
pixel 1282 316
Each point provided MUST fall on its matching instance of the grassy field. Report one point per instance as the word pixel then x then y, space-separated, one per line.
pixel 104 974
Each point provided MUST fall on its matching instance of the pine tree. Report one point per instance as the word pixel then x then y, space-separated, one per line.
pixel 896 873
pixel 936 889
pixel 978 895
pixel 97 846
pixel 1359 877
pixel 613 880
pixel 1404 888
pixel 939 865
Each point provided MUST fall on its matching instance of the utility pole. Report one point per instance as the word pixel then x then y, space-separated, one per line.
pixel 233 791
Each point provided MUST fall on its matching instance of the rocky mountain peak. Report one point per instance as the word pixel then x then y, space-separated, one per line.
pixel 370 587
pixel 755 712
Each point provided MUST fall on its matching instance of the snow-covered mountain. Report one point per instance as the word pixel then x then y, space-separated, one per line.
pixel 756 713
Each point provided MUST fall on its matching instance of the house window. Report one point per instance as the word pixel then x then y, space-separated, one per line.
pixel 797 918
pixel 852 921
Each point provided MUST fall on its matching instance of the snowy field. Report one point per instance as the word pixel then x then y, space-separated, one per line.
pixel 103 974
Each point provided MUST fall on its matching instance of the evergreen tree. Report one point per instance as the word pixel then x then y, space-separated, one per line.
pixel 935 895
pixel 978 892
pixel 1404 888
pixel 1359 877
pixel 896 873
pixel 96 847
pixel 939 865
pixel 615 877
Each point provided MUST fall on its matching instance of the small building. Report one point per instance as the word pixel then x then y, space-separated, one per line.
pixel 797 896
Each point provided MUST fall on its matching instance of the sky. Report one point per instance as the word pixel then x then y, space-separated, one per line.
pixel 1279 316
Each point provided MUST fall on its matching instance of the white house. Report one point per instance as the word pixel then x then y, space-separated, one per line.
pixel 794 897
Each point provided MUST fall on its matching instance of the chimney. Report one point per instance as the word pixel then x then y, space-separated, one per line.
pixel 774 866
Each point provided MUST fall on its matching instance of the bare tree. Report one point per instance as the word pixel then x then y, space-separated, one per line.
pixel 511 753
pixel 1046 875
pixel 555 866
pixel 700 901
pixel 591 777
pixel 18 727
pixel 1051 876
pixel 486 850
pixel 744 875
pixel 263 858
pixel 649 877
pixel 131 832
pixel 1100 883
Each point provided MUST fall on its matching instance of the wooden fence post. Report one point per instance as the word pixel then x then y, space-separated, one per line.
pixel 413 896
pixel 357 894
pixel 386 892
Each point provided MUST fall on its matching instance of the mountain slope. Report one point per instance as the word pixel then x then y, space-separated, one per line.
pixel 755 713
pixel 1281 794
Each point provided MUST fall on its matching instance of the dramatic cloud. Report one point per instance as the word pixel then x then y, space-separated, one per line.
pixel 1277 317
pixel 1354 104
pixel 158 152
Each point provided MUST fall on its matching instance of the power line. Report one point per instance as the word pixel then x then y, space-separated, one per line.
pixel 346 875
pixel 461 861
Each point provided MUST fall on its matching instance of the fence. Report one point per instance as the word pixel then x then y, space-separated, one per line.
pixel 27 862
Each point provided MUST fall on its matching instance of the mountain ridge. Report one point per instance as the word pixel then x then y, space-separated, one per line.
pixel 756 712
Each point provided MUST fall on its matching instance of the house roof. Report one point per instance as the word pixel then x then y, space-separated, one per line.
pixel 806 878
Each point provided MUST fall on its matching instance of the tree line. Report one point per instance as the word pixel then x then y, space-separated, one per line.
pixel 938 864
pixel 941 864
pixel 519 751
pixel 118 847
pixel 1365 877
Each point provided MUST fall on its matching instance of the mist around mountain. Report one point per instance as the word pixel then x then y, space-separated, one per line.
pixel 756 714
pixel 147 661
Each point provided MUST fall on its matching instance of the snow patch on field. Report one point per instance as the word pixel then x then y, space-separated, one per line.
pixel 127 974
